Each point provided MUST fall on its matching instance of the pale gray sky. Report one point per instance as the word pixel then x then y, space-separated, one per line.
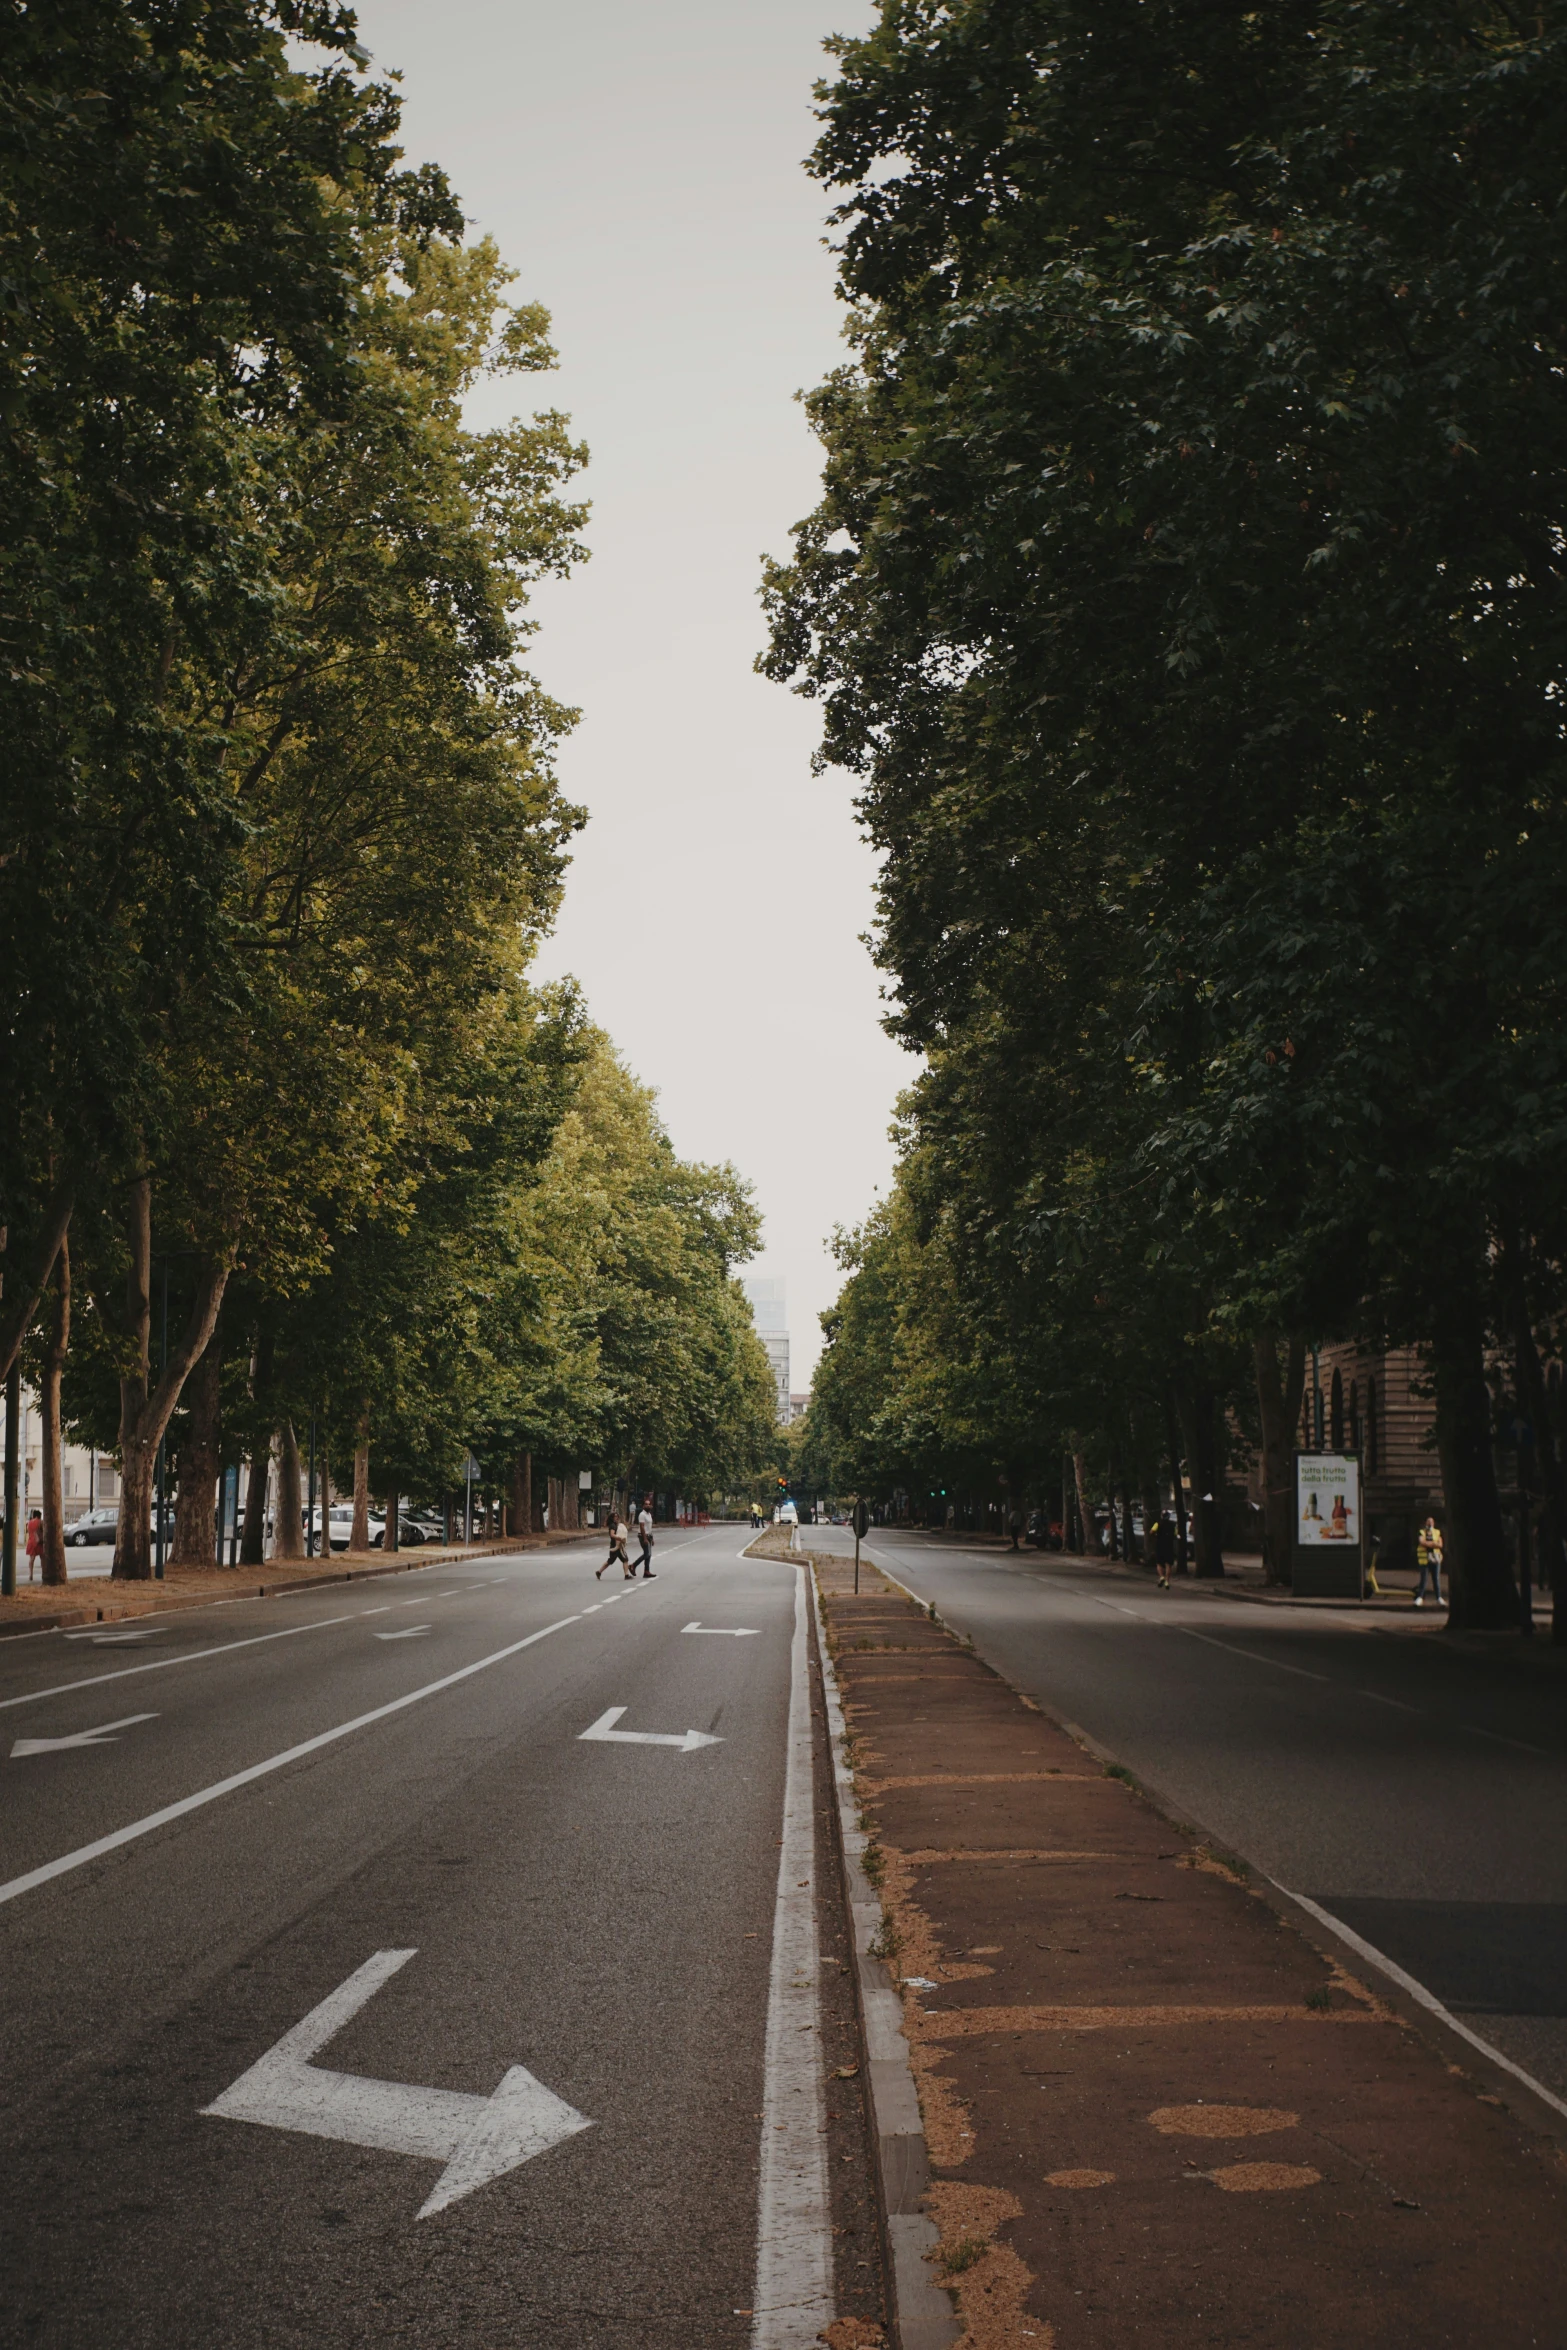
pixel 640 167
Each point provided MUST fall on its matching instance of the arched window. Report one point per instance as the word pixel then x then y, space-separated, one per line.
pixel 1354 1415
pixel 1373 1453
pixel 1336 1414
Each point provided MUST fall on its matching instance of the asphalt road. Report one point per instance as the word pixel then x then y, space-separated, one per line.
pixel 599 1912
pixel 1414 1790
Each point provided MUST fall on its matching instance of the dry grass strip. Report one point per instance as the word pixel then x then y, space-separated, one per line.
pixel 873 1787
pixel 973 2023
pixel 926 1860
pixel 990 2280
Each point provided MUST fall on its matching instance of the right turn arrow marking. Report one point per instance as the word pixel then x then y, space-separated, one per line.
pixel 604 1730
pixel 477 2138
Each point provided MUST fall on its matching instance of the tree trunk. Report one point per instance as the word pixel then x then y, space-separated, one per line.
pixel 53 1559
pixel 1128 1535
pixel 1085 1523
pixel 201 1465
pixel 535 1500
pixel 28 1275
pixel 519 1508
pixel 1195 1404
pixel 290 1542
pixel 1278 1403
pixel 1482 1595
pixel 359 1539
pixel 1177 1483
pixel 1553 1515
pixel 145 1410
pixel 253 1533
pixel 389 1542
pixel 1150 1518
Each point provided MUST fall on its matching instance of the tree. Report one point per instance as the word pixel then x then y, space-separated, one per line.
pixel 1188 535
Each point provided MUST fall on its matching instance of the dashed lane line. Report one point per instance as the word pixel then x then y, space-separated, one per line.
pixel 192 1656
pixel 69 1861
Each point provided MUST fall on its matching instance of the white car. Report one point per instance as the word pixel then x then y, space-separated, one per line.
pixel 787 1514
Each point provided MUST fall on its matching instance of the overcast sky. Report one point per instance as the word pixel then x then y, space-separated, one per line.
pixel 640 167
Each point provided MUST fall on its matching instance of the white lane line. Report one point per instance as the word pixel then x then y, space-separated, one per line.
pixel 377 1611
pixel 104 1735
pixel 408 1632
pixel 793 2299
pixel 1427 1999
pixel 1230 1649
pixel 1397 1703
pixel 1517 1744
pixel 261 1770
pixel 161 1664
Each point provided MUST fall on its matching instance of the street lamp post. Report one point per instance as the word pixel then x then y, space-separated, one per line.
pixel 163 1364
pixel 13 1430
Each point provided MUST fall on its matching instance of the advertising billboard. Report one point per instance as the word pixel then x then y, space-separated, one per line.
pixel 1328 1528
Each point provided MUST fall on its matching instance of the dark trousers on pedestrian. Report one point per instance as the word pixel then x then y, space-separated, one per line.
pixel 1433 1568
pixel 645 1562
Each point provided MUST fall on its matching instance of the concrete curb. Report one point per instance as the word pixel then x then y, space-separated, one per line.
pixel 922 2314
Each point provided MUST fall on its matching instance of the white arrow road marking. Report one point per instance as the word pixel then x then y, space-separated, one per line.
pixel 409 1632
pixel 103 1736
pixel 604 1729
pixel 103 1635
pixel 725 1631
pixel 478 2138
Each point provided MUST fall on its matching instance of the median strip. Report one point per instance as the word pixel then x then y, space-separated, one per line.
pixel 1096 2004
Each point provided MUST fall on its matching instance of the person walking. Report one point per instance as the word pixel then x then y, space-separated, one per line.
pixel 35 1543
pixel 1164 1548
pixel 1428 1557
pixel 617 1547
pixel 645 1537
pixel 1015 1526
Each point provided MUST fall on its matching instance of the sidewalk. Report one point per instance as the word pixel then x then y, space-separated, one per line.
pixel 1157 2114
pixel 97 1599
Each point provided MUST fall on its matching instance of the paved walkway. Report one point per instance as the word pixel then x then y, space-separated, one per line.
pixel 1157 2114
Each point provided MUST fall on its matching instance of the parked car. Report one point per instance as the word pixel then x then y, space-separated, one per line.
pixel 93 1527
pixel 410 1532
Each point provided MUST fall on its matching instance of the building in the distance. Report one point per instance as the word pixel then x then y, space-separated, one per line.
pixel 770 1312
pixel 799 1405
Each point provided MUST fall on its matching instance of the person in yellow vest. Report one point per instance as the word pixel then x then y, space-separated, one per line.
pixel 1428 1557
